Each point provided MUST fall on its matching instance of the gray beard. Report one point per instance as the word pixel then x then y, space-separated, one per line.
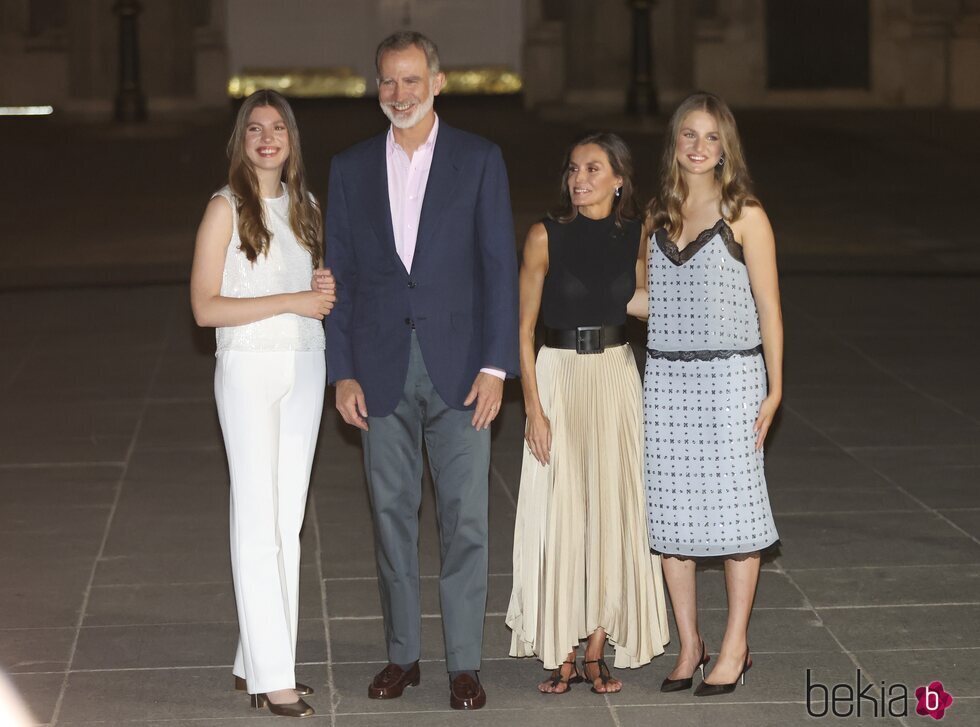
pixel 407 123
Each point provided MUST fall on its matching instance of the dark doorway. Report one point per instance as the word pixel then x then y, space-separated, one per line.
pixel 817 44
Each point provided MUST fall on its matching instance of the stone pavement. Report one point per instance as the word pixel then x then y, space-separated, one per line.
pixel 116 605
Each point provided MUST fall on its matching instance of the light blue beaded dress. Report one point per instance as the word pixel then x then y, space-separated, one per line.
pixel 705 379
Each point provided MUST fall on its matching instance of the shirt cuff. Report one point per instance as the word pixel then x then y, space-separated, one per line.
pixel 494 372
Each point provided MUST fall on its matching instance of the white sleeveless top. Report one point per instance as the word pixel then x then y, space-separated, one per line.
pixel 287 268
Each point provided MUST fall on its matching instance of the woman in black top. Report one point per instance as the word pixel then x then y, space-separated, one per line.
pixel 582 564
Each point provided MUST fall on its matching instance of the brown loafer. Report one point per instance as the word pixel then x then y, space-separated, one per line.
pixel 390 682
pixel 465 692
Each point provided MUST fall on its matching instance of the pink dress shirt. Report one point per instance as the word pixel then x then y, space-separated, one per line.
pixel 407 179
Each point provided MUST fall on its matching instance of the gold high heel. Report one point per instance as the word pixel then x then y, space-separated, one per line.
pixel 299 708
pixel 301 689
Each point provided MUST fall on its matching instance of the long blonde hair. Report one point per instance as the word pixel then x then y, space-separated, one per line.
pixel 666 208
pixel 304 213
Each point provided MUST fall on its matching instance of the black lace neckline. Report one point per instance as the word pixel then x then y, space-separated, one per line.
pixel 677 256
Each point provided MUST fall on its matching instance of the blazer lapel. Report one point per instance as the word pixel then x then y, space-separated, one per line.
pixel 440 187
pixel 378 182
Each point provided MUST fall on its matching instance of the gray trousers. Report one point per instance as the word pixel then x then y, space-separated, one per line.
pixel 459 458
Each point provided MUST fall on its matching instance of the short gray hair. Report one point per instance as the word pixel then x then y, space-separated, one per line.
pixel 406 39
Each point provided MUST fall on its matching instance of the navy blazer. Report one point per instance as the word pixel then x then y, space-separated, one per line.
pixel 461 294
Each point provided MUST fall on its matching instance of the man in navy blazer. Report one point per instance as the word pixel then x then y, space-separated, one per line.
pixel 419 236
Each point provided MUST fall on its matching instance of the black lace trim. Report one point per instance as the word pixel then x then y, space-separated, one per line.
pixel 669 248
pixel 703 355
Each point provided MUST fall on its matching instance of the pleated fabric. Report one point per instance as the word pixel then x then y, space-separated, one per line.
pixel 581 556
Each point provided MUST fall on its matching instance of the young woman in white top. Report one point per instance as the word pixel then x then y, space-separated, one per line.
pixel 257 248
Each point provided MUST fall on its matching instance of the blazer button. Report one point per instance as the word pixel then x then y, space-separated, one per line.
pixel 412 284
pixel 408 322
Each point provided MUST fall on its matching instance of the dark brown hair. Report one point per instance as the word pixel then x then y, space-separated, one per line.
pixel 305 218
pixel 665 209
pixel 621 163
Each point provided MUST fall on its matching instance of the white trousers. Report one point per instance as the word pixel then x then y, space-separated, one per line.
pixel 269 405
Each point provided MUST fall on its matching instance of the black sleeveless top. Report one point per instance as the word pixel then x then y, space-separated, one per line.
pixel 591 271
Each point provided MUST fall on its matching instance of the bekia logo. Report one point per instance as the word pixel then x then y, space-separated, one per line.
pixel 933 700
pixel 858 700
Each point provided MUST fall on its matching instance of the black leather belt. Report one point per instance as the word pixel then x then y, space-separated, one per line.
pixel 585 339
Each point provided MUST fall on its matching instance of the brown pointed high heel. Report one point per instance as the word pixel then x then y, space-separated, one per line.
pixel 299 708
pixel 710 690
pixel 301 689
pixel 679 685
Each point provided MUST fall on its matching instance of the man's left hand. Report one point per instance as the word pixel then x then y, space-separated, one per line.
pixel 487 392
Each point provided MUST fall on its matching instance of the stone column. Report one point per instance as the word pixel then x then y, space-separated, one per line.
pixel 964 58
pixel 92 58
pixel 597 53
pixel 641 97
pixel 730 53
pixel 130 101
pixel 544 70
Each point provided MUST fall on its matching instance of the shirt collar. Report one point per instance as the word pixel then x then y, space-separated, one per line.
pixel 427 145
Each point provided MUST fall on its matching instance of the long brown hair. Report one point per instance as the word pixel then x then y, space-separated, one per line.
pixel 621 163
pixel 666 208
pixel 304 212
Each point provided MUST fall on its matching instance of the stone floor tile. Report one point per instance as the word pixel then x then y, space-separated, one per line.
pixel 200 468
pixel 183 602
pixel 599 716
pixel 955 667
pixel 31 571
pixel 77 485
pixel 785 501
pixel 40 693
pixel 38 608
pixel 862 629
pixel 115 697
pixel 822 469
pixel 162 568
pixel 941 477
pixel 761 714
pixel 188 531
pixel 968 520
pixel 30 446
pixel 814 541
pixel 179 645
pixel 123 374
pixel 184 376
pixel 867 419
pixel 179 425
pixel 884 585
pixel 35 650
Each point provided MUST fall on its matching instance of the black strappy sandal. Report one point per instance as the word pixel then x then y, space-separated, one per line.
pixel 556 679
pixel 604 676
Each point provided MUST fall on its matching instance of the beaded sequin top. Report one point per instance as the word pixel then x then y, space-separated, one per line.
pixel 287 268
pixel 700 298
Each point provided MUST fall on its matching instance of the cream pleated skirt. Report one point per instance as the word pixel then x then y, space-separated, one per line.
pixel 581 556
